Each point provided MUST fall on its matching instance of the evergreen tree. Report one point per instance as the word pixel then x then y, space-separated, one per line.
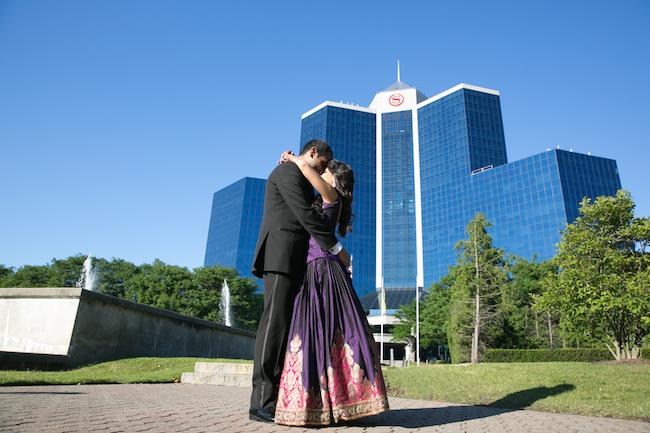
pixel 478 278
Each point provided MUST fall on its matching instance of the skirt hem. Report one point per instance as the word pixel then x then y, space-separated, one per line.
pixel 338 413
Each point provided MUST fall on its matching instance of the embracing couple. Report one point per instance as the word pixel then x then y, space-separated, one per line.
pixel 316 361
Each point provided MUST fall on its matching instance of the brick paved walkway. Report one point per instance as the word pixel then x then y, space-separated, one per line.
pixel 205 408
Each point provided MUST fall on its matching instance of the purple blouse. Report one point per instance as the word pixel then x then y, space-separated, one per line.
pixel 331 213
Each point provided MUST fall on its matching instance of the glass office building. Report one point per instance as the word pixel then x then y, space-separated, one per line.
pixel 437 162
pixel 234 225
pixel 424 166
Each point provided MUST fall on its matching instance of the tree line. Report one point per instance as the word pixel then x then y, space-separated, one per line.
pixel 194 292
pixel 595 292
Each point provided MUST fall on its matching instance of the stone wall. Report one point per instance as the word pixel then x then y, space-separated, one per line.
pixel 71 327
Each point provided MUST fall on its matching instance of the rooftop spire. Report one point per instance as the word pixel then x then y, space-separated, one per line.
pixel 400 85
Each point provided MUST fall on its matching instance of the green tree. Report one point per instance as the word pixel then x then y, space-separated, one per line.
pixel 30 276
pixel 434 317
pixel 246 304
pixel 205 298
pixel 603 286
pixel 522 325
pixel 160 285
pixel 65 272
pixel 57 273
pixel 6 274
pixel 478 277
pixel 197 293
pixel 113 276
pixel 435 314
pixel 404 330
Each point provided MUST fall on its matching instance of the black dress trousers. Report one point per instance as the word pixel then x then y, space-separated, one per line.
pixel 271 339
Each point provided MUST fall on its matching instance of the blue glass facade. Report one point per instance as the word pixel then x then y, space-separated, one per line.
pixel 234 225
pixel 398 200
pixel 351 134
pixel 583 175
pixel 487 144
pixel 464 170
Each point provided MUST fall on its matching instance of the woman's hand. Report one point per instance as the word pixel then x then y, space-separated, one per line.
pixel 345 258
pixel 287 155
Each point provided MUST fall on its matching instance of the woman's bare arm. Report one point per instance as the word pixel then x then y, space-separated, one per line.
pixel 326 190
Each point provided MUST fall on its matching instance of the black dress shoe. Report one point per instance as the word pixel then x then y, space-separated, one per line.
pixel 261 415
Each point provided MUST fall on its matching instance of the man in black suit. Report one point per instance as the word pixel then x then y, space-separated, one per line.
pixel 280 260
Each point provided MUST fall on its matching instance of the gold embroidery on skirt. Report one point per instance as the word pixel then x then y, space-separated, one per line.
pixel 303 408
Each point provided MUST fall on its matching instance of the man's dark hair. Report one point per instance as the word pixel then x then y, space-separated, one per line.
pixel 322 148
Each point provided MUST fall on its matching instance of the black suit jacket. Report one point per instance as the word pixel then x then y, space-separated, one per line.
pixel 288 222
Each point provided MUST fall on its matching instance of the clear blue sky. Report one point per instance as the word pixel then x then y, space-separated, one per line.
pixel 119 119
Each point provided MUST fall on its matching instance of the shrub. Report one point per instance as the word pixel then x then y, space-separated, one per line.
pixel 547 355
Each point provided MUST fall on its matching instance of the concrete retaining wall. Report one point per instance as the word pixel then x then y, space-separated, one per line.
pixel 72 327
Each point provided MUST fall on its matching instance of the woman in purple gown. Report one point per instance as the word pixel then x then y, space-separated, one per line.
pixel 331 368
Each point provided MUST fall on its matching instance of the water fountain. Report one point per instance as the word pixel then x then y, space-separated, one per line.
pixel 87 277
pixel 225 304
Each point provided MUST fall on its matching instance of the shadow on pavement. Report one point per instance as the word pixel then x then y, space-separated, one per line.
pixel 428 417
pixel 526 397
pixel 38 392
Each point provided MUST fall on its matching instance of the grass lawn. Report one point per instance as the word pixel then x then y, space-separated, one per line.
pixel 611 390
pixel 133 370
pixel 619 391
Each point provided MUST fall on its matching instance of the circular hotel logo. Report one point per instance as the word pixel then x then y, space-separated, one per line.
pixel 396 99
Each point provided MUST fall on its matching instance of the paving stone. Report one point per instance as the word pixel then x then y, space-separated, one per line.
pixel 188 408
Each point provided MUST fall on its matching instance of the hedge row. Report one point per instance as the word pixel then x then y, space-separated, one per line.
pixel 547 355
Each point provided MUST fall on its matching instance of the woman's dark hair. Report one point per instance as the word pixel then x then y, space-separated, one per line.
pixel 344 185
